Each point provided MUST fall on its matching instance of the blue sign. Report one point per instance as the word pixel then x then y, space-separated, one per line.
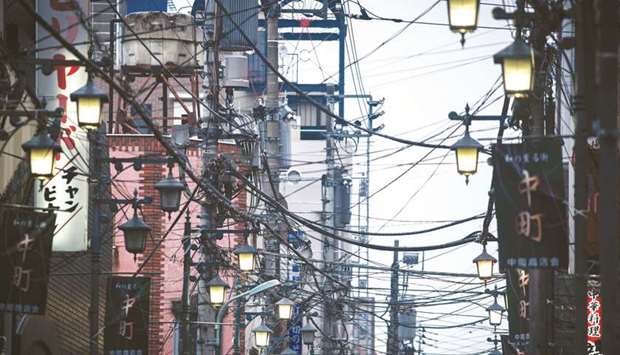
pixel 294 330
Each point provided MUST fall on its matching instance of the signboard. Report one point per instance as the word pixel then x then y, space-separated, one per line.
pixel 517 297
pixel 68 189
pixel 594 321
pixel 294 330
pixel 25 248
pixel 531 214
pixel 127 316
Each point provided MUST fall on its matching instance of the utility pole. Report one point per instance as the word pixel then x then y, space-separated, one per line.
pixel 582 106
pixel 95 241
pixel 210 132
pixel 185 298
pixel 607 109
pixel 328 215
pixel 392 342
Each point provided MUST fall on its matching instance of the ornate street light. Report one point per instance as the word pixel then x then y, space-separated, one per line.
pixel 308 332
pixel 135 232
pixel 463 15
pixel 217 290
pixel 246 254
pixel 467 150
pixel 496 313
pixel 89 102
pixel 170 192
pixel 285 308
pixel 484 264
pixel 517 62
pixel 262 335
pixel 42 151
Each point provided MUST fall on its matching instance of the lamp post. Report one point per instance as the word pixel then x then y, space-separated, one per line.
pixel 222 311
pixel 463 16
pixel 484 264
pixel 468 149
pixel 262 335
pixel 170 190
pixel 135 232
pixel 217 290
pixel 308 333
pixel 41 150
pixel 517 61
pixel 496 313
pixel 246 254
pixel 285 308
pixel 89 103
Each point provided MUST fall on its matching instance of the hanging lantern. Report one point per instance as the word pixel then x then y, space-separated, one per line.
pixel 135 232
pixel 246 254
pixel 496 313
pixel 308 333
pixel 89 100
pixel 463 15
pixel 41 150
pixel 285 308
pixel 262 335
pixel 170 190
pixel 484 264
pixel 217 290
pixel 467 151
pixel 517 61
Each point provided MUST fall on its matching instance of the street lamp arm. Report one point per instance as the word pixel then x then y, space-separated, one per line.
pixel 220 314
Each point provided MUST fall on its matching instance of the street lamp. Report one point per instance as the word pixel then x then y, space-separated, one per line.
pixel 217 290
pixel 285 308
pixel 135 231
pixel 467 150
pixel 262 335
pixel 517 62
pixel 170 192
pixel 42 151
pixel 484 264
pixel 463 15
pixel 307 334
pixel 246 254
pixel 496 313
pixel 89 102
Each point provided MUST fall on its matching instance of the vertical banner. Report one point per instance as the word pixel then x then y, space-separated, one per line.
pixel 517 299
pixel 55 81
pixel 594 320
pixel 294 330
pixel 531 213
pixel 25 248
pixel 127 316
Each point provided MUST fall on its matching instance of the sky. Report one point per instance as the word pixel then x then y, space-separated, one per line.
pixel 423 73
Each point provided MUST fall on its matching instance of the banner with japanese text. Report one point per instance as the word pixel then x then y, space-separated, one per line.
pixel 294 330
pixel 25 248
pixel 56 79
pixel 530 205
pixel 594 320
pixel 517 300
pixel 127 316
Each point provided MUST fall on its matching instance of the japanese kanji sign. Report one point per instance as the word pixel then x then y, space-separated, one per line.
pixel 294 330
pixel 531 214
pixel 594 320
pixel 68 189
pixel 517 297
pixel 25 248
pixel 127 316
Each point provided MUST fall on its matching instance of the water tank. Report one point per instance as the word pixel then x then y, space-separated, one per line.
pixel 245 14
pixel 171 37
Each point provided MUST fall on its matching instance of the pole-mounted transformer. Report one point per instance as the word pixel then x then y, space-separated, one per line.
pixel 342 198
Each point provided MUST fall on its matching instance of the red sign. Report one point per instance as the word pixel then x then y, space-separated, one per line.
pixel 594 320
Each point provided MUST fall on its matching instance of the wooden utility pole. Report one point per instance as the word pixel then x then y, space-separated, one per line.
pixel 607 109
pixel 582 106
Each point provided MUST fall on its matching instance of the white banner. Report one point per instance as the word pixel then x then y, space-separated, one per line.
pixel 68 189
